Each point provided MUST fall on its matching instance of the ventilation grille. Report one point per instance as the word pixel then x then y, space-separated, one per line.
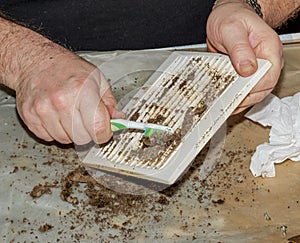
pixel 178 98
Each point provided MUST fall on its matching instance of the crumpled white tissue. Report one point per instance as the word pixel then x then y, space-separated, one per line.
pixel 283 116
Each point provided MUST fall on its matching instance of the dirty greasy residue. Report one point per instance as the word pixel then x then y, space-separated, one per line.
pixel 178 99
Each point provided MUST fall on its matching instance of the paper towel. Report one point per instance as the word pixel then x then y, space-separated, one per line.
pixel 283 116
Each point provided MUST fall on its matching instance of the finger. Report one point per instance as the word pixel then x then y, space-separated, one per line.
pixel 51 122
pixel 210 46
pixel 241 53
pixel 32 121
pixel 95 118
pixel 38 130
pixel 109 99
pixel 79 133
pixel 267 82
pixel 239 110
pixel 102 126
pixel 72 125
pixel 272 52
pixel 111 105
pixel 252 99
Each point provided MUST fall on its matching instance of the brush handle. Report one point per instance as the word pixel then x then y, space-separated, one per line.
pixel 121 124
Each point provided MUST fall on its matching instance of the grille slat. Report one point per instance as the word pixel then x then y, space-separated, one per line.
pixel 188 83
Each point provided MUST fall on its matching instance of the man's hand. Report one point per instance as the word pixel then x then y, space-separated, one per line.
pixel 67 100
pixel 234 28
pixel 59 95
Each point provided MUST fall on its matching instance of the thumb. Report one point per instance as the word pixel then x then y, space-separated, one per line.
pixel 111 105
pixel 240 52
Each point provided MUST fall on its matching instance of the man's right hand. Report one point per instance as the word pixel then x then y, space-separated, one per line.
pixel 67 100
pixel 59 95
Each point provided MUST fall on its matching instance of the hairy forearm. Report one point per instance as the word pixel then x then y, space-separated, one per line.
pixel 277 12
pixel 21 50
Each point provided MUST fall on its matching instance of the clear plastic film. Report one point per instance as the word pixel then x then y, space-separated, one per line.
pixel 228 206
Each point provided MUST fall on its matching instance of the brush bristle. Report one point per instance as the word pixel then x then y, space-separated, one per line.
pixel 150 131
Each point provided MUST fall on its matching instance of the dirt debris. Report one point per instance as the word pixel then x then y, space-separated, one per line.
pixel 46 227
pixel 40 189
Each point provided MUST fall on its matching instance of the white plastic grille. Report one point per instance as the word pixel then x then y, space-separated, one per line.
pixel 189 83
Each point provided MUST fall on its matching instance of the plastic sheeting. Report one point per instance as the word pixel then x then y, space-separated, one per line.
pixel 226 206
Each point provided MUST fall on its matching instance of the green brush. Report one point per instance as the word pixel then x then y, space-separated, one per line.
pixel 148 128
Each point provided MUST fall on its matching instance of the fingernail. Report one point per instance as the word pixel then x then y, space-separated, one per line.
pixel 119 114
pixel 247 67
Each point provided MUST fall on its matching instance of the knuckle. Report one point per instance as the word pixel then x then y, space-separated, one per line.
pixel 59 100
pixel 41 107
